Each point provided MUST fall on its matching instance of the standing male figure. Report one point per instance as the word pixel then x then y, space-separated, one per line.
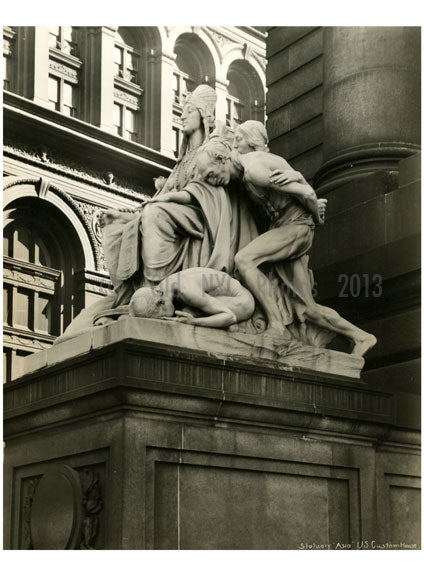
pixel 293 209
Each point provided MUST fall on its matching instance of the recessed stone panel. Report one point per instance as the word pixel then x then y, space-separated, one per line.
pixel 236 509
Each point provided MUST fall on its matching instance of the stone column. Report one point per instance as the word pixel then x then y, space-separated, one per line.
pixel 152 100
pixel 166 102
pixel 32 56
pixel 371 105
pixel 221 87
pixel 99 77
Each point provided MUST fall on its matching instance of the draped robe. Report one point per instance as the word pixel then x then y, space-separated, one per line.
pixel 166 237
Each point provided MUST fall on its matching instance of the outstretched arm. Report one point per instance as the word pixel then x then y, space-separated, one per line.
pixel 181 197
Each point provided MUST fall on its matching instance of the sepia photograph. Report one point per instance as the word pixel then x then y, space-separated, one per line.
pixel 211 286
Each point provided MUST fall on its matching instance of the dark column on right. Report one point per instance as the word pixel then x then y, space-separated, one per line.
pixel 371 101
pixel 343 107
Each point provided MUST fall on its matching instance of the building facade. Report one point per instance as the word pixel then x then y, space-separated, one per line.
pixel 91 116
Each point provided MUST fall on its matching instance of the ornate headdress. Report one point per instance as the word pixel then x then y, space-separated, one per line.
pixel 255 134
pixel 204 99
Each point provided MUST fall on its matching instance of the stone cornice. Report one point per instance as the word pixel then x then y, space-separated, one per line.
pixel 128 87
pixel 81 134
pixel 64 58
pixel 64 171
pixel 272 398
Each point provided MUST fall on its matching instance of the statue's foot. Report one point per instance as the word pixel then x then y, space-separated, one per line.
pixel 363 344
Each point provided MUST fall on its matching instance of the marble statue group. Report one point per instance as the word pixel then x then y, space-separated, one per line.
pixel 223 243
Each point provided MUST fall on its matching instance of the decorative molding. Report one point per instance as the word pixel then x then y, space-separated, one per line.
pixel 93 505
pixel 30 268
pixel 63 70
pixel 127 98
pixel 29 486
pixel 19 278
pixel 96 224
pixel 92 215
pixel 7 47
pixel 43 187
pixel 9 33
pixel 260 60
pixel 65 58
pixel 97 282
pixel 88 210
pixel 70 172
pixel 8 41
pixel 221 40
pixel 247 51
pixel 95 289
pixel 31 342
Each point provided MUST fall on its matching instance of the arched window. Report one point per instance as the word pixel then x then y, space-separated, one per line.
pixel 127 88
pixel 193 66
pixel 245 99
pixel 40 256
pixel 64 65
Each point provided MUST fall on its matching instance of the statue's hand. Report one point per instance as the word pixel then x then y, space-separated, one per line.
pixel 180 316
pixel 172 196
pixel 184 317
pixel 159 183
pixel 149 201
pixel 122 216
pixel 283 177
pixel 322 207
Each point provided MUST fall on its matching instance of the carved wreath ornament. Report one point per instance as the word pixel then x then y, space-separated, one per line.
pixel 61 510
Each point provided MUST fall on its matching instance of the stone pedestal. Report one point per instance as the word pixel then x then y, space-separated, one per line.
pixel 149 446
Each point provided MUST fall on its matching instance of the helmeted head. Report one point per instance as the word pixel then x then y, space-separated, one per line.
pixel 150 303
pixel 250 136
pixel 198 111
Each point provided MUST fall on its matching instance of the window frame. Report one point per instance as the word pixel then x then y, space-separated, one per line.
pixel 61 42
pixel 232 104
pixel 61 84
pixel 125 106
pixel 128 74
